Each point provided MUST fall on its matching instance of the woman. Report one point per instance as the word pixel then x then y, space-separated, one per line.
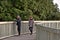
pixel 31 22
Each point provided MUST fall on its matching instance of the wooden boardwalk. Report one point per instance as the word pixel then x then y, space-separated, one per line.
pixel 22 37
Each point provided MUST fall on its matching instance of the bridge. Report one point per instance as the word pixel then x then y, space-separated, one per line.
pixel 43 30
pixel 8 31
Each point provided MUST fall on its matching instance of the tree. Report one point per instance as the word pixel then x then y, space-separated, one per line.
pixel 39 9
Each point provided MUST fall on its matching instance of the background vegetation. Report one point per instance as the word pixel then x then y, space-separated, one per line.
pixel 39 9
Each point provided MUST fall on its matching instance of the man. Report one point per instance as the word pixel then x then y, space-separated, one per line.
pixel 18 20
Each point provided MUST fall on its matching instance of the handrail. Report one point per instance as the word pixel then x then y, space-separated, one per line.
pixel 48 30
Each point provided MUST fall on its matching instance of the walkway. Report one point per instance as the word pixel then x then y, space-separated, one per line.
pixel 22 37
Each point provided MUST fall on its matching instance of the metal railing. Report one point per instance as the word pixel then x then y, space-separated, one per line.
pixel 48 30
pixel 8 29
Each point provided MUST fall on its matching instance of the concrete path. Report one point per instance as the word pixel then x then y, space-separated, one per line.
pixel 22 37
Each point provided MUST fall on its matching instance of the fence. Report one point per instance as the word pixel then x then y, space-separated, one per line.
pixel 8 29
pixel 48 30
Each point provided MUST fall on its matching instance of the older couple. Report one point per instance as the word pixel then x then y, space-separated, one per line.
pixel 31 22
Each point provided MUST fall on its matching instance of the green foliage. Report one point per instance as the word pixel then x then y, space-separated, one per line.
pixel 39 9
